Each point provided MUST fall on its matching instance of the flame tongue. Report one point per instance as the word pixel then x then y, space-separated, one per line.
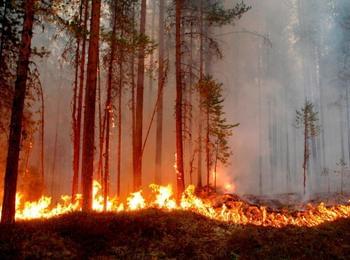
pixel 238 213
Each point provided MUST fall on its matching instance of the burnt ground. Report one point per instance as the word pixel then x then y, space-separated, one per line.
pixel 154 234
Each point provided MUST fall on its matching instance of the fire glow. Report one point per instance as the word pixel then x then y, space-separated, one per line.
pixel 237 212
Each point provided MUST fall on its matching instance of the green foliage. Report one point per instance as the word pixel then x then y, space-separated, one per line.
pixel 11 19
pixel 307 118
pixel 218 15
pixel 219 129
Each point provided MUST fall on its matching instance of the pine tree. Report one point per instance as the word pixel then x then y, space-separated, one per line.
pixel 11 174
pixel 89 113
pixel 307 119
pixel 218 131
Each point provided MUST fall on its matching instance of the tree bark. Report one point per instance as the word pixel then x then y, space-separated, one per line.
pixel 11 174
pixel 306 149
pixel 42 135
pixel 89 113
pixel 201 72
pixel 75 100
pixel 139 104
pixel 119 148
pixel 77 143
pixel 161 83
pixel 180 180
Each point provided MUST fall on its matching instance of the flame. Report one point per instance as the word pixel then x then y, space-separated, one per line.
pixel 237 212
pixel 136 201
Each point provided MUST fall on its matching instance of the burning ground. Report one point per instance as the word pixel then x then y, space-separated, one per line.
pixel 228 208
pixel 155 226
pixel 154 233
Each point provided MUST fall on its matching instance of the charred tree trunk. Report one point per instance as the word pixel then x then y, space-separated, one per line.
pixel 119 148
pixel 133 110
pixel 75 99
pixel 101 125
pixel 11 174
pixel 190 111
pixel 161 83
pixel 108 113
pixel 139 104
pixel 89 113
pixel 77 140
pixel 109 110
pixel 201 71
pixel 180 180
pixel 42 136
pixel 207 144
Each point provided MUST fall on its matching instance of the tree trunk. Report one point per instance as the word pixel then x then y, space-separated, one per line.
pixel 119 148
pixel 180 180
pixel 306 150
pixel 108 113
pixel 42 135
pixel 54 155
pixel 161 83
pixel 7 2
pixel 139 104
pixel 77 142
pixel 75 98
pixel 201 69
pixel 207 145
pixel 89 113
pixel 133 110
pixel 11 174
pixel 101 125
pixel 190 112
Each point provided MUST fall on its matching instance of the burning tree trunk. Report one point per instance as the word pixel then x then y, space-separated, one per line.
pixel 89 113
pixel 161 83
pixel 180 180
pixel 10 186
pixel 139 104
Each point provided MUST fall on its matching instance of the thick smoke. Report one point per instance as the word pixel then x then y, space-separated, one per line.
pixel 278 55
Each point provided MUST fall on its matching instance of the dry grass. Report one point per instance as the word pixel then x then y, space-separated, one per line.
pixel 153 234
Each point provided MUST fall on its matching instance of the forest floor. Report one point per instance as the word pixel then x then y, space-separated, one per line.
pixel 154 234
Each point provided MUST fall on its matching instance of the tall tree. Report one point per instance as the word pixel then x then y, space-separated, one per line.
pixel 79 108
pixel 89 112
pixel 307 119
pixel 217 129
pixel 11 174
pixel 180 178
pixel 139 103
pixel 161 83
pixel 109 108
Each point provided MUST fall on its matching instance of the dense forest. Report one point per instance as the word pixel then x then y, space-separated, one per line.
pixel 229 96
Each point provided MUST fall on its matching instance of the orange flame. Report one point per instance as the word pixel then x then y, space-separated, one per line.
pixel 238 213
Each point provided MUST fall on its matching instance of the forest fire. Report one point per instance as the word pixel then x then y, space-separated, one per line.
pixel 236 212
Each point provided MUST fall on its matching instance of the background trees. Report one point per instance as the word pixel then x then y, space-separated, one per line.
pixel 269 62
